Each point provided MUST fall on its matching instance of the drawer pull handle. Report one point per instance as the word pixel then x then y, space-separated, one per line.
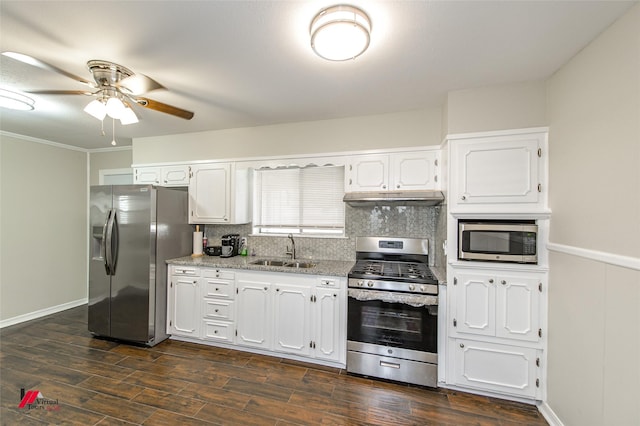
pixel 389 364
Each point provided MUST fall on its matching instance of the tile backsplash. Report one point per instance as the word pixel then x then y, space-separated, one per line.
pixel 380 221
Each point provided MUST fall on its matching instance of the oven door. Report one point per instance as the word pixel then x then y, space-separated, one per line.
pixel 393 319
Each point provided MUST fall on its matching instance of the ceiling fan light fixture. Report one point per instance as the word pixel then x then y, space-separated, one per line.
pixel 14 100
pixel 340 33
pixel 128 116
pixel 115 108
pixel 97 109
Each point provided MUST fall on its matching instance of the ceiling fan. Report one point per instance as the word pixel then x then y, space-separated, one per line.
pixel 115 88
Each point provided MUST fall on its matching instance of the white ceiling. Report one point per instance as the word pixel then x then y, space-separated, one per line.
pixel 248 63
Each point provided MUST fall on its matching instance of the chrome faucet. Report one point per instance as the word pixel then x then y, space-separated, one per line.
pixel 291 251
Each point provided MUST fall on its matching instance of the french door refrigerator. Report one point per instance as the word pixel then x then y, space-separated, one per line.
pixel 134 230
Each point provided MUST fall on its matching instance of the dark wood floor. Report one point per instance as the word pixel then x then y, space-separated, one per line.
pixel 90 381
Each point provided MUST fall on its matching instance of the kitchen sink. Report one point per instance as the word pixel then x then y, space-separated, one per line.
pixel 286 264
pixel 302 265
pixel 267 262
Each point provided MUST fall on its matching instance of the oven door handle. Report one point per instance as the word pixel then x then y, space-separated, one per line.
pixel 415 300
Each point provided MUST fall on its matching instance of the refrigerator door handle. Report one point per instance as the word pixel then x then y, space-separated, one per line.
pixel 105 244
pixel 115 241
pixel 109 243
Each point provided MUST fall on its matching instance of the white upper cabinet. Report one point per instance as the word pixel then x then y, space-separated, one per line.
pixel 498 172
pixel 162 176
pixel 415 170
pixel 218 194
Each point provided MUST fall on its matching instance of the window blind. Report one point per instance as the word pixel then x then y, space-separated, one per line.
pixel 299 200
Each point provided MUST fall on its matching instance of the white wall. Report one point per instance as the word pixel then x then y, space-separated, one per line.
pixel 405 129
pixel 594 291
pixel 108 159
pixel 43 227
pixel 509 106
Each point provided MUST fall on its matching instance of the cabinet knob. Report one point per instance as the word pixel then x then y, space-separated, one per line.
pixel 462 345
pixel 398 186
pixel 384 186
pixel 217 289
pixel 265 289
pixel 464 197
pixel 216 310
pixel 503 282
pixel 490 280
pixel 215 331
pixel 277 289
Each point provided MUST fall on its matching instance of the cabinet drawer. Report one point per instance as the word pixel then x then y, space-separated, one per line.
pixel 217 330
pixel 185 271
pixel 218 288
pixel 218 273
pixel 218 309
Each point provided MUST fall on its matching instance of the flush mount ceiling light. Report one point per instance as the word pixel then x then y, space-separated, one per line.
pixel 13 100
pixel 339 33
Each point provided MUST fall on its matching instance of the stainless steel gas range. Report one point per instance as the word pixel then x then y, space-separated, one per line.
pixel 393 311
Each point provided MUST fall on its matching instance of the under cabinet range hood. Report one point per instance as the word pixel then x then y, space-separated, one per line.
pixel 406 198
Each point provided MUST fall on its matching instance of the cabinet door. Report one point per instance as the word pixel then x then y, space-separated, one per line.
pixel 501 169
pixel 147 175
pixel 253 313
pixel 292 305
pixel 184 317
pixel 497 368
pixel 209 194
pixel 368 173
pixel 175 176
pixel 518 308
pixel 474 299
pixel 327 324
pixel 413 170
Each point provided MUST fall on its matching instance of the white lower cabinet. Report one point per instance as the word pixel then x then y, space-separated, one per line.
pixel 254 311
pixel 496 330
pixel 307 319
pixel 218 306
pixel 291 314
pixel 498 368
pixel 183 302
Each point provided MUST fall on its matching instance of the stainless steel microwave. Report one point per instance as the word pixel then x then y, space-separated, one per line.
pixel 498 241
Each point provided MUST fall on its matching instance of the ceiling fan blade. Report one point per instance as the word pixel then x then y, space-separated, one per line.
pixel 60 92
pixel 159 106
pixel 41 64
pixel 138 84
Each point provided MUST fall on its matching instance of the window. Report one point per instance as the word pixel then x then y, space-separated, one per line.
pixel 306 201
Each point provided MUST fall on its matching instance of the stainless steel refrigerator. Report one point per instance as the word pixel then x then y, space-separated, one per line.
pixel 134 230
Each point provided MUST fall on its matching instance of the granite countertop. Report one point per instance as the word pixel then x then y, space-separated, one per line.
pixel 337 268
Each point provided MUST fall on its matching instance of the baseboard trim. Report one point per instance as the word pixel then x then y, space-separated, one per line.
pixel 600 256
pixel 549 415
pixel 42 313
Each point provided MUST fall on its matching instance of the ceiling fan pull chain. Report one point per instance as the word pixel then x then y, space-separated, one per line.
pixel 103 133
pixel 113 131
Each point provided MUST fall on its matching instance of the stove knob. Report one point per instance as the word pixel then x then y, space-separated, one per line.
pixel 370 283
pixel 423 288
pixel 412 287
pixel 360 283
